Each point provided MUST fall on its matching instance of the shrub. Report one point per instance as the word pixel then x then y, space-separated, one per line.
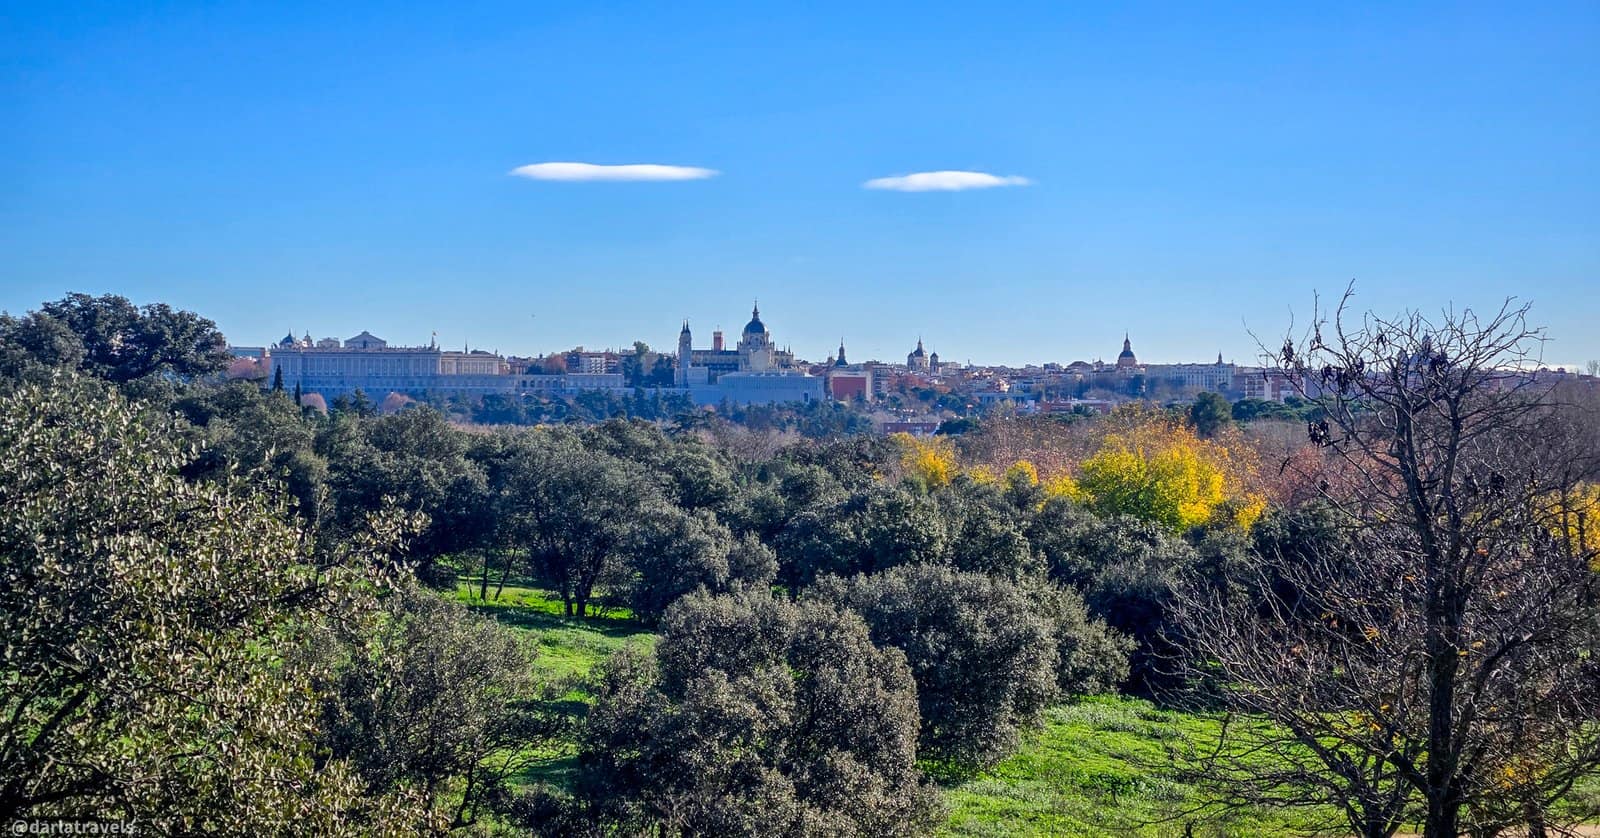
pixel 756 716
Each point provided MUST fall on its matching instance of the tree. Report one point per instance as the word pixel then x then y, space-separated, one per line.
pixel 1442 647
pixel 277 379
pixel 984 527
pixel 575 513
pixel 1160 471
pixel 149 624
pixel 671 553
pixel 635 367
pixel 1127 570
pixel 123 342
pixel 1209 414
pixel 428 698
pixel 250 431
pixel 416 461
pixel 984 660
pixel 1091 657
pixel 756 716
pixel 873 529
pixel 37 346
pixel 931 462
pixel 662 373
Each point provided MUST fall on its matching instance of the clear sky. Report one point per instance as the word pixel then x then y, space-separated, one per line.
pixel 1179 172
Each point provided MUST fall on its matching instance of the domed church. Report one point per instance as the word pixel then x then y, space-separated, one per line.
pixel 917 359
pixel 1125 359
pixel 756 353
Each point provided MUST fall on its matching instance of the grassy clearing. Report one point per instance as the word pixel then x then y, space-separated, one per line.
pixel 569 647
pixel 1102 766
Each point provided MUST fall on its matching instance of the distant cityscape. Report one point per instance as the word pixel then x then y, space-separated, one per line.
pixel 754 371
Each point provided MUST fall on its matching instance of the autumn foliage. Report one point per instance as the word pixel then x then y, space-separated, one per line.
pixel 1162 471
pixel 1142 463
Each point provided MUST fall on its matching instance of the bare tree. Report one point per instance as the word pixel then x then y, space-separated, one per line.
pixel 1428 654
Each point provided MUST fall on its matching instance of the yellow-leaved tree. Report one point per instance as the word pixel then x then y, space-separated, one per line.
pixel 929 460
pixel 1159 470
pixel 1574 515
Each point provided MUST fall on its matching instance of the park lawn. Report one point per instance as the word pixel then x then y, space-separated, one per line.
pixel 1103 766
pixel 569 647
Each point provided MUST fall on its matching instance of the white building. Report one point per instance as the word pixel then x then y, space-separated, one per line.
pixel 367 363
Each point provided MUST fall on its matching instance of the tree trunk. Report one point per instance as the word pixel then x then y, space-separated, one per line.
pixel 505 571
pixel 1535 814
pixel 1444 813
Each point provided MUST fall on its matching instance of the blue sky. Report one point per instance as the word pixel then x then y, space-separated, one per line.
pixel 1191 173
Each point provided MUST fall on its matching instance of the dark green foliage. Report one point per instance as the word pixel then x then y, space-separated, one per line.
pixel 426 697
pixel 356 404
pixel 873 529
pixel 1291 409
pixel 957 427
pixel 1127 570
pixel 671 553
pixel 822 419
pixel 34 347
pixel 984 659
pixel 248 430
pixel 110 338
pixel 415 461
pixel 984 534
pixel 756 716
pixel 752 563
pixel 688 471
pixel 1210 414
pixel 574 513
pixel 1091 657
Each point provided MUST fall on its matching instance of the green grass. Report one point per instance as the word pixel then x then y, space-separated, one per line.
pixel 1099 767
pixel 569 647
pixel 1102 766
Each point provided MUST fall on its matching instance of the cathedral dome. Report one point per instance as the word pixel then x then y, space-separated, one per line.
pixel 755 326
pixel 1125 358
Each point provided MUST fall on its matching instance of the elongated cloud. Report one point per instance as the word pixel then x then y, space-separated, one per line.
pixel 593 171
pixel 945 181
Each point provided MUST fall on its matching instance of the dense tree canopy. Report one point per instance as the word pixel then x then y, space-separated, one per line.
pixel 109 337
pixel 427 698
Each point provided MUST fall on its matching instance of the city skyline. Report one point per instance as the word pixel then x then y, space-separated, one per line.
pixel 1022 185
pixel 731 336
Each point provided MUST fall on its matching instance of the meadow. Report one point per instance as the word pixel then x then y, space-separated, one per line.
pixel 1099 766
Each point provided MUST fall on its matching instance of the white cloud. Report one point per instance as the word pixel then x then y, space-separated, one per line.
pixel 592 171
pixel 945 181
